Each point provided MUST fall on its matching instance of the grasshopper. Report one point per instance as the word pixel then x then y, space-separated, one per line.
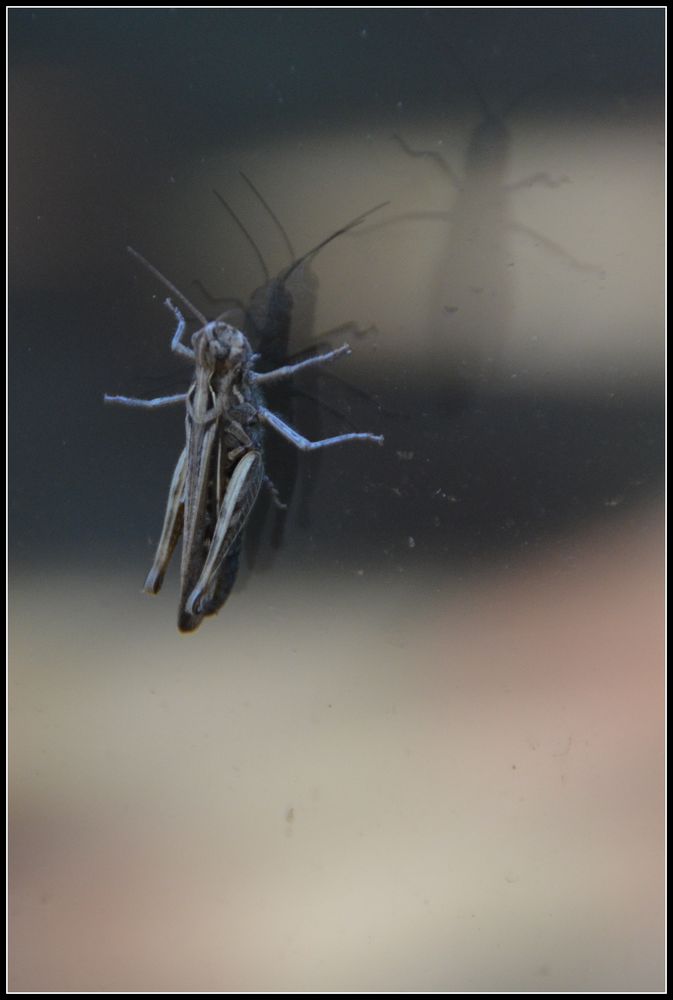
pixel 221 469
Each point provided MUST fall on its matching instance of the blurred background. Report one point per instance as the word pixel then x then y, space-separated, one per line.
pixel 420 748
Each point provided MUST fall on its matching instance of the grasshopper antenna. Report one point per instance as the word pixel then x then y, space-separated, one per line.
pixel 258 252
pixel 487 110
pixel 264 202
pixel 532 89
pixel 339 232
pixel 169 284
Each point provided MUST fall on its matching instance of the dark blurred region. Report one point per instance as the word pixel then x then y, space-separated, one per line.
pixel 511 289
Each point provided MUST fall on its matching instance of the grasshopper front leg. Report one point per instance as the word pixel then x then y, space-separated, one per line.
pixel 287 371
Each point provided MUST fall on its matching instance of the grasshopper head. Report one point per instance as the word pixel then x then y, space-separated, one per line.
pixel 221 347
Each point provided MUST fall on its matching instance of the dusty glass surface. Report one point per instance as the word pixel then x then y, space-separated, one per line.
pixel 420 748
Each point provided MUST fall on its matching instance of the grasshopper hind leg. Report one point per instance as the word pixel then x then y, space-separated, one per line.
pixel 226 579
pixel 172 527
pixel 211 603
pixel 219 570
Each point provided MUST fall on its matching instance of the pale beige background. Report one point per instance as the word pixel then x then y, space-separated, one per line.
pixel 412 784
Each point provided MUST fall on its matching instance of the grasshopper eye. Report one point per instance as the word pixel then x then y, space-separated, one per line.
pixel 221 350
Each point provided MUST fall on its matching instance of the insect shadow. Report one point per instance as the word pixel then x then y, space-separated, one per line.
pixel 281 311
pixel 473 297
